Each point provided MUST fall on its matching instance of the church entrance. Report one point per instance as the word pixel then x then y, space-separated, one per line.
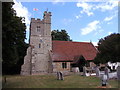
pixel 80 63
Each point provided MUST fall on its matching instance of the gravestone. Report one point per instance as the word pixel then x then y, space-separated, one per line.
pixel 97 72
pixel 107 72
pixel 84 71
pixel 104 80
pixel 77 69
pixel 118 72
pixel 60 76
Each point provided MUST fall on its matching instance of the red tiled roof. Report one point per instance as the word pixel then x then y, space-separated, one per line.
pixel 67 50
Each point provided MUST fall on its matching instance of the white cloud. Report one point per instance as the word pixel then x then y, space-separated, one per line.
pixel 67 21
pixel 110 23
pixel 95 43
pixel 86 8
pixel 98 31
pixel 58 1
pixel 110 33
pixel 92 26
pixel 27 36
pixel 55 1
pixel 89 8
pixel 78 16
pixel 22 12
pixel 109 5
pixel 108 18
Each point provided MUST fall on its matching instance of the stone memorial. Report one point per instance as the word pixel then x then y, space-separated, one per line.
pixel 104 80
pixel 77 69
pixel 97 72
pixel 84 71
pixel 60 76
pixel 118 73
pixel 107 72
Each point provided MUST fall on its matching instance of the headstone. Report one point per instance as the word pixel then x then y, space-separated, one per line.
pixel 107 72
pixel 60 76
pixel 77 69
pixel 104 80
pixel 97 72
pixel 84 71
pixel 118 72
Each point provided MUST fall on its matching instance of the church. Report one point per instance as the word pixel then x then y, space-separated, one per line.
pixel 45 56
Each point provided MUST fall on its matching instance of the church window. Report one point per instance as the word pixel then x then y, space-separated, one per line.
pixel 38 28
pixel 64 65
pixel 39 45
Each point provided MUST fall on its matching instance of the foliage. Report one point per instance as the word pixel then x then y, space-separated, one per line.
pixel 60 35
pixel 13 35
pixel 109 48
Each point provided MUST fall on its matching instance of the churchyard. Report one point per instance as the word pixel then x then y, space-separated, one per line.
pixel 50 81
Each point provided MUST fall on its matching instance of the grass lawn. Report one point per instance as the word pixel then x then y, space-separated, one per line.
pixel 50 81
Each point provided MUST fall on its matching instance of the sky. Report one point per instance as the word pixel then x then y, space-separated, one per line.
pixel 83 21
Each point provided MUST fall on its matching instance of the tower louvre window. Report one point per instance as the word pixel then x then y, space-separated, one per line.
pixel 39 45
pixel 38 28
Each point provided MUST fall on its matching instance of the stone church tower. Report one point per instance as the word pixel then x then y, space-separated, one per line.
pixel 38 58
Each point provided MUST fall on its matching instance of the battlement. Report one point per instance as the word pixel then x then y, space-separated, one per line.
pixel 48 13
pixel 46 18
pixel 34 20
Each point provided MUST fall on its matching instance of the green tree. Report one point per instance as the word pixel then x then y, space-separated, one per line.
pixel 109 49
pixel 13 36
pixel 60 35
